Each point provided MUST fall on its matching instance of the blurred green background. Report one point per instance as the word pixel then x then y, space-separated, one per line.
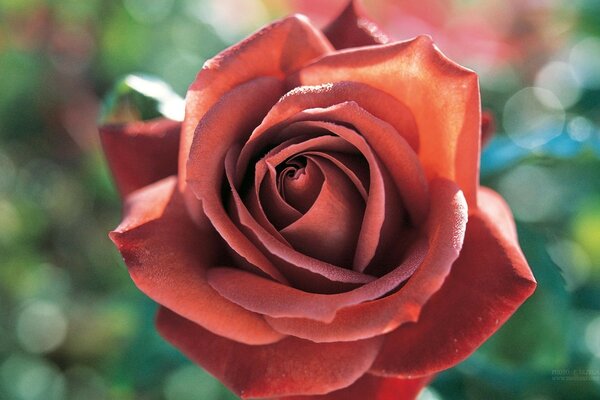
pixel 73 326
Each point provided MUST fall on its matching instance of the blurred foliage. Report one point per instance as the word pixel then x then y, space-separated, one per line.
pixel 73 326
pixel 140 98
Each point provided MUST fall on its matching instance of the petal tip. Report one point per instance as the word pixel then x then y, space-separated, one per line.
pixel 529 282
pixel 424 39
pixel 353 28
pixel 115 237
pixel 429 47
pixel 299 18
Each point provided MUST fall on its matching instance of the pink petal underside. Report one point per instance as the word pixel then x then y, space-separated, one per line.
pixel 274 51
pixel 140 153
pixel 442 96
pixel 488 282
pixel 495 209
pixel 167 256
pixel 287 368
pixel 378 315
pixel 353 29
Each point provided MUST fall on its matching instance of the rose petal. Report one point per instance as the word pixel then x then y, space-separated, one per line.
pixel 494 207
pixel 140 153
pixel 297 263
pixel 375 315
pixel 392 150
pixel 264 196
pixel 353 29
pixel 289 367
pixel 268 201
pixel 216 133
pixel 276 300
pixel 352 165
pixel 488 282
pixel 301 270
pixel 167 256
pixel 442 96
pixel 384 215
pixel 376 102
pixel 274 51
pixel 310 139
pixel 300 187
pixel 374 388
pixel 329 229
pixel 252 198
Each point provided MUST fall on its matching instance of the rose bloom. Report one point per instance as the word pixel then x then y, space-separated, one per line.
pixel 315 228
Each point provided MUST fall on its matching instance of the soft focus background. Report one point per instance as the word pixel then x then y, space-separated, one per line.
pixel 73 326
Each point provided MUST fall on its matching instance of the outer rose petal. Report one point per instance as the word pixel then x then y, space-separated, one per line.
pixel 352 29
pixel 443 97
pixel 287 368
pixel 493 206
pixel 167 256
pixel 140 153
pixel 265 296
pixel 374 388
pixel 226 124
pixel 488 282
pixel 274 51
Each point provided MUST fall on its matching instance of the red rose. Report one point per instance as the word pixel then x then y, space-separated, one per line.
pixel 314 240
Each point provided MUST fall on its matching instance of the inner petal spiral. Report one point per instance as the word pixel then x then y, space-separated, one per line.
pixel 329 228
pixel 299 183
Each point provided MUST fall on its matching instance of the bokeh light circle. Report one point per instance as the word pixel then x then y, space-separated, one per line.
pixel 532 192
pixel 585 59
pixel 580 128
pixel 562 81
pixel 32 378
pixel 41 327
pixel 532 117
pixel 190 383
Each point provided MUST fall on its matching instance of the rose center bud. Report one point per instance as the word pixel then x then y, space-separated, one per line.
pixel 299 183
pixel 330 205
